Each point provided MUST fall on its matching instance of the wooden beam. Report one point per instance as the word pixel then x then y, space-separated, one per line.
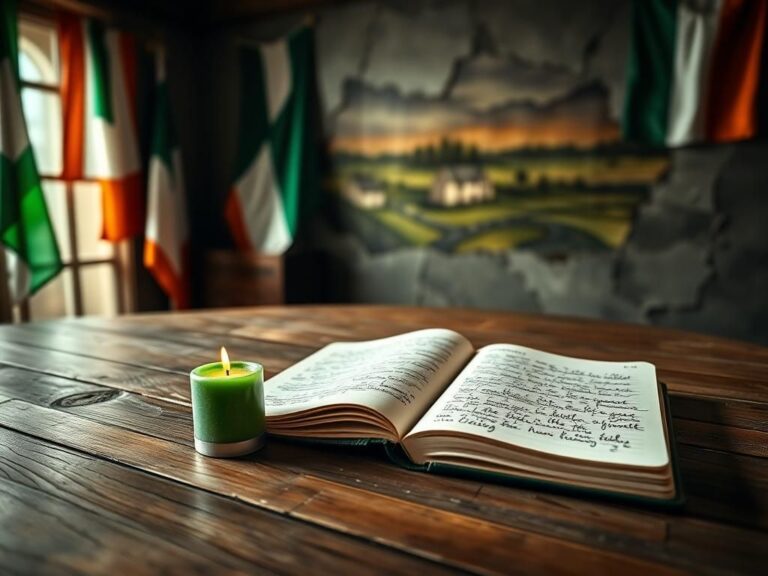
pixel 237 10
pixel 116 14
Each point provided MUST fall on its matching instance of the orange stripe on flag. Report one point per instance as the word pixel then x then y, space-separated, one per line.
pixel 72 57
pixel 173 284
pixel 735 68
pixel 234 216
pixel 122 207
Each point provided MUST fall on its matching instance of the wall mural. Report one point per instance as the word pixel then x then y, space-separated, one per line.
pixel 476 163
pixel 483 126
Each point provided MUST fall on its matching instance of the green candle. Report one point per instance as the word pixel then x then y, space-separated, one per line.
pixel 228 407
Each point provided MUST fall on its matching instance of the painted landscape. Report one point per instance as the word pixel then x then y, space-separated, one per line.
pixel 545 201
pixel 513 153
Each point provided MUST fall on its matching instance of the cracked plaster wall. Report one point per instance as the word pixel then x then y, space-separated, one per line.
pixel 696 259
pixel 697 256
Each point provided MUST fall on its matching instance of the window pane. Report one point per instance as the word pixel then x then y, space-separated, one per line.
pixel 39 61
pixel 55 299
pixel 42 111
pixel 88 219
pixel 99 287
pixel 28 70
pixel 56 199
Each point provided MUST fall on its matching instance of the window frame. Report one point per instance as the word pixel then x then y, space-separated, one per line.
pixel 122 259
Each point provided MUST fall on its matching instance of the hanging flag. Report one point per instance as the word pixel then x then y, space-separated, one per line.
pixel 276 178
pixel 732 97
pixel 98 89
pixel 27 236
pixel 165 243
pixel 693 71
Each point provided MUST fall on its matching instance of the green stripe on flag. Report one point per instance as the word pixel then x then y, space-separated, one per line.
pixel 292 149
pixel 277 157
pixel 26 224
pixel 254 124
pixel 650 68
pixel 163 141
pixel 99 71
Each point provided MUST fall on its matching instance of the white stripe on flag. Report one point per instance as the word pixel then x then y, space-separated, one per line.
pixel 262 206
pixel 695 37
pixel 111 149
pixel 13 142
pixel 13 132
pixel 277 75
pixel 166 213
pixel 18 275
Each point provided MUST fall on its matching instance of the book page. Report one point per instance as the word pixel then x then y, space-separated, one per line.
pixel 398 376
pixel 601 411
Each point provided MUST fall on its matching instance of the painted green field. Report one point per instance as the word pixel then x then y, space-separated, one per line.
pixel 500 240
pixel 415 233
pixel 591 171
pixel 511 206
pixel 523 172
pixel 586 200
pixel 608 229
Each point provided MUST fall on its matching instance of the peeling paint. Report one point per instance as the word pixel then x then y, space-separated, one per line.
pixel 342 46
pixel 582 285
pixel 734 302
pixel 691 182
pixel 473 280
pixel 668 278
pixel 438 34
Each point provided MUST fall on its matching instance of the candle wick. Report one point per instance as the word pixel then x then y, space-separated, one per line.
pixel 227 372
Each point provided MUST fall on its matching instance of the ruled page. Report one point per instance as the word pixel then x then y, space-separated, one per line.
pixel 398 376
pixel 601 411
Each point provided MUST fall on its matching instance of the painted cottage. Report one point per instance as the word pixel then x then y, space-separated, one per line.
pixel 461 185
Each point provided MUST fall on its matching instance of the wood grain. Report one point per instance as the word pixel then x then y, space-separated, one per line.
pixel 421 530
pixel 160 384
pixel 688 363
pixel 173 422
pixel 748 415
pixel 164 350
pixel 39 388
pixel 176 529
pixel 725 439
pixel 367 321
pixel 623 530
pixel 116 392
pixel 727 485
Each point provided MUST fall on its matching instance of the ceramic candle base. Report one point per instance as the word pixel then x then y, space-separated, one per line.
pixel 230 449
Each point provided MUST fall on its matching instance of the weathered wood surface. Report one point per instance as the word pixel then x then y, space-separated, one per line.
pixel 96 458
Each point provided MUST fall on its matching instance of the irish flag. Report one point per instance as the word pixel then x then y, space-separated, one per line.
pixel 693 72
pixel 275 181
pixel 165 242
pixel 29 244
pixel 98 85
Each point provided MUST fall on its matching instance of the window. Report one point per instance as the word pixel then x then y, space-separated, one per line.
pixel 92 281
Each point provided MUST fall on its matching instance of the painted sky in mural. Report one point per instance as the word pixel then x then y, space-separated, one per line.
pixel 481 126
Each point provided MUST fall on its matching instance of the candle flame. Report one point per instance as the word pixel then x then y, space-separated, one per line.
pixel 225 359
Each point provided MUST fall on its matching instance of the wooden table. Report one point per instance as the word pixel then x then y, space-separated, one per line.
pixel 98 473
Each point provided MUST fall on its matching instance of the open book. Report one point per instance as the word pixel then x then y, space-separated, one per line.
pixel 503 410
